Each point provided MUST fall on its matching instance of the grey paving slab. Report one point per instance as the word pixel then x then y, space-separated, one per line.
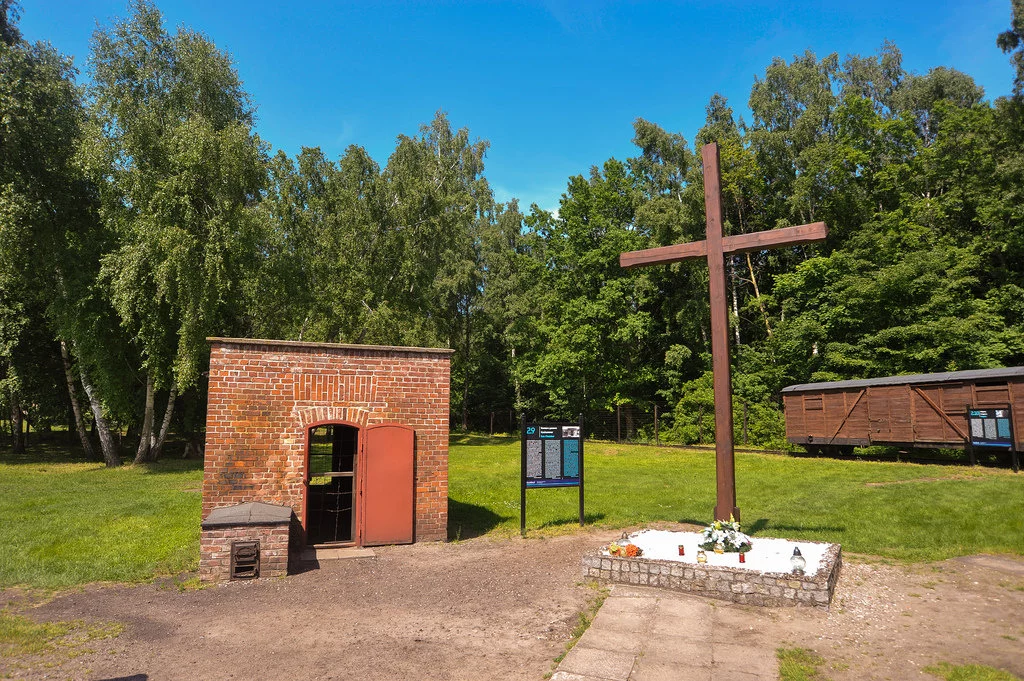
pixel 697 628
pixel 637 591
pixel 681 606
pixel 601 664
pixel 738 675
pixel 640 636
pixel 567 676
pixel 675 650
pixel 311 554
pixel 624 621
pixel 631 603
pixel 606 638
pixel 647 670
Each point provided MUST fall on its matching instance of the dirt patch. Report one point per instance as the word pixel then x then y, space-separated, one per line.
pixel 479 609
pixel 888 622
pixel 504 609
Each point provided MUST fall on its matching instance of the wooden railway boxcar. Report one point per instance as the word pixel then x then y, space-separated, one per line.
pixel 921 410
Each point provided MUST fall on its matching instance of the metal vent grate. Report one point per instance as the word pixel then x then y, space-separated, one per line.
pixel 245 559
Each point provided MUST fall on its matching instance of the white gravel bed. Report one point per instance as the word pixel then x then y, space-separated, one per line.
pixel 767 554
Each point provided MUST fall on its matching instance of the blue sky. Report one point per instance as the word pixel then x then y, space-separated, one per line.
pixel 553 85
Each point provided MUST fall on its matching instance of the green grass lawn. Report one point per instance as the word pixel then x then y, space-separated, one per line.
pixel 63 524
pixel 897 510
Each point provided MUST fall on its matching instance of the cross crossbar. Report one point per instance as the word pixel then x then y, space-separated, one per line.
pixel 738 243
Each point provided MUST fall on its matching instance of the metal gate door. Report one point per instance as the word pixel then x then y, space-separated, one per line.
pixel 388 484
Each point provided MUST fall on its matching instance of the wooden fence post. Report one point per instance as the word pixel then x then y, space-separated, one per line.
pixel 744 423
pixel 657 442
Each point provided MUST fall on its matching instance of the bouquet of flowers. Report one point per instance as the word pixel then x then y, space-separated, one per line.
pixel 627 551
pixel 726 535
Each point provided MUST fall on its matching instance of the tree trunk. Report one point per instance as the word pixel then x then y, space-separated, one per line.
pixel 83 437
pixel 735 299
pixel 516 386
pixel 465 380
pixel 165 426
pixel 146 436
pixel 17 439
pixel 107 444
pixel 757 295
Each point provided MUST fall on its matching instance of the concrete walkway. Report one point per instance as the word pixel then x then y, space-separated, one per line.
pixel 642 634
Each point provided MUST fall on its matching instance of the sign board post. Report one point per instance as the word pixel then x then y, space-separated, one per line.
pixel 992 428
pixel 552 456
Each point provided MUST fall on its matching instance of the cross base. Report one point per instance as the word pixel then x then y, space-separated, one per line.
pixel 724 513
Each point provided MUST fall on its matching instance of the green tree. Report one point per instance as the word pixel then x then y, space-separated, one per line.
pixel 47 230
pixel 1011 42
pixel 178 166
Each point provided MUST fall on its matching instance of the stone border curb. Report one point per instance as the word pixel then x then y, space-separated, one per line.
pixel 731 584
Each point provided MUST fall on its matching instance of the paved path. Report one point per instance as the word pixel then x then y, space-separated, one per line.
pixel 644 634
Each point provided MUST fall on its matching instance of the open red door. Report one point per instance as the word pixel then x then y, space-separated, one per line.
pixel 388 485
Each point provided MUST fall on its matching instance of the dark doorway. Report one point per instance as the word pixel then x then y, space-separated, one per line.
pixel 331 482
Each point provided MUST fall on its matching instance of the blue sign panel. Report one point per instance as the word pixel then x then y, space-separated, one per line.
pixel 551 454
pixel 571 458
pixel 990 427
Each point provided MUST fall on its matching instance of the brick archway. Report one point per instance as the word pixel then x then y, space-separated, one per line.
pixel 310 416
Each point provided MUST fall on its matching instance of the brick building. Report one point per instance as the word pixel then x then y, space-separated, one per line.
pixel 353 439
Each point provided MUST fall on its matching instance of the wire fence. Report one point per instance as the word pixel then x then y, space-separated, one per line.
pixel 626 424
pixel 653 425
pixel 649 424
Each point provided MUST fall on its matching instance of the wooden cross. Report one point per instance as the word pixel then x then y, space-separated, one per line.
pixel 714 247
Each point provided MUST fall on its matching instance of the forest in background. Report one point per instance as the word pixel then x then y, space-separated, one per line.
pixel 140 213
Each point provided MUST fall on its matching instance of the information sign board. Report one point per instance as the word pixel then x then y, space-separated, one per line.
pixel 552 456
pixel 990 427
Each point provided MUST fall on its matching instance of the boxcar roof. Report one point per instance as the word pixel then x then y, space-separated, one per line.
pixel 946 377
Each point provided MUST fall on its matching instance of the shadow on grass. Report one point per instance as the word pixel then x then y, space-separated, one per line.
pixel 466 521
pixel 762 524
pixel 58 448
pixel 172 466
pixel 752 528
pixel 51 450
pixel 477 440
pixel 803 528
pixel 987 457
pixel 588 519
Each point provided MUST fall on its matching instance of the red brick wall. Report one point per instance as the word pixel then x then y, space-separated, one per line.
pixel 215 550
pixel 264 395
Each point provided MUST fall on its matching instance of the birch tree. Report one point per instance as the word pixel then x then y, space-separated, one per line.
pixel 178 167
